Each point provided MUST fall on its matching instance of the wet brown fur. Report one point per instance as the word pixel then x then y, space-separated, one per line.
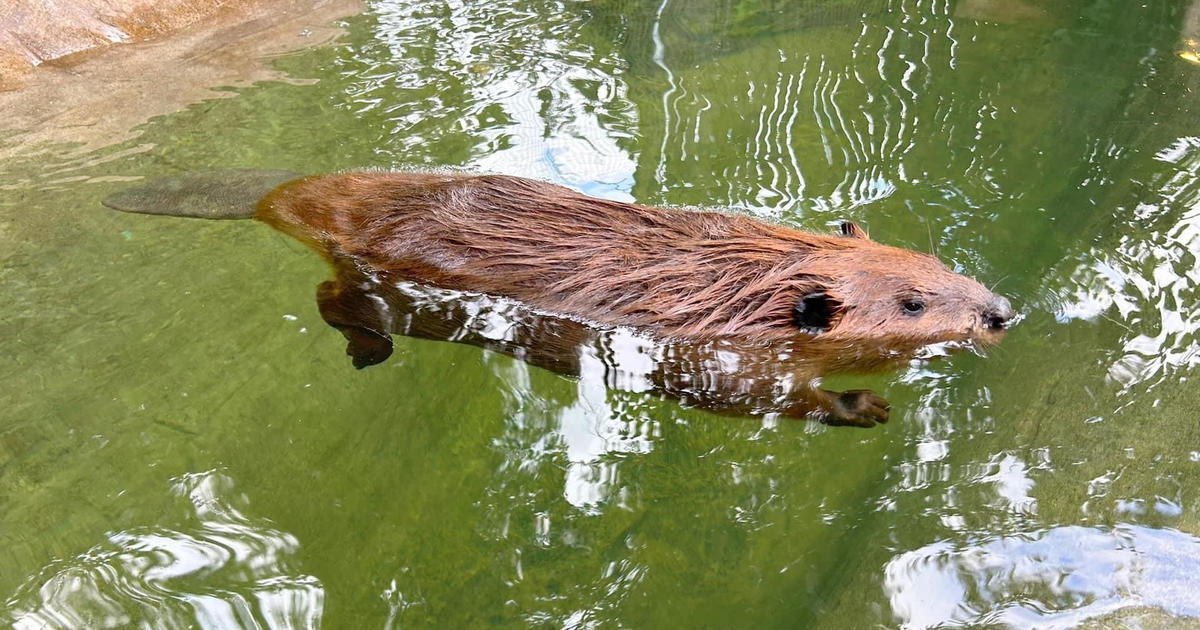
pixel 679 274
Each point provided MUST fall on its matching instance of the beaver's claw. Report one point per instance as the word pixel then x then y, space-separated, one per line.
pixel 858 408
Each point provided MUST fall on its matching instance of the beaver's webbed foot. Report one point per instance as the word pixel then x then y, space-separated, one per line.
pixel 856 407
pixel 366 347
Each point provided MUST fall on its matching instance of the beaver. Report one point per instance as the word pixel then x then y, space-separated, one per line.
pixel 688 278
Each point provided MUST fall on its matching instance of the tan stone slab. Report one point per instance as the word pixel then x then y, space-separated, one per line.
pixel 94 95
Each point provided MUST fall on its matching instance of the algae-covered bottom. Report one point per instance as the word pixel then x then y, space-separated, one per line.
pixel 184 442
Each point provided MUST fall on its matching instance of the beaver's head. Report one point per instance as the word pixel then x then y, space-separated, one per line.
pixel 899 298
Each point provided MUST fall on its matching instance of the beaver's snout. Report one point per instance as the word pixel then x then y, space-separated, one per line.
pixel 998 314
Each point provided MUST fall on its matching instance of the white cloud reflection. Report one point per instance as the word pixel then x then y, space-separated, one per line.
pixel 1056 578
pixel 542 102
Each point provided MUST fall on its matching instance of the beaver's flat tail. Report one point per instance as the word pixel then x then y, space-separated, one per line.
pixel 223 194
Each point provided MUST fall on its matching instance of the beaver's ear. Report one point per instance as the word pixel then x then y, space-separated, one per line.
pixel 851 229
pixel 815 312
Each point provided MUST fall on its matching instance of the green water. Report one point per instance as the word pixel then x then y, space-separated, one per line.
pixel 183 442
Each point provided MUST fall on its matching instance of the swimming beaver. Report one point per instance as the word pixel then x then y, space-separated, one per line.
pixel 693 279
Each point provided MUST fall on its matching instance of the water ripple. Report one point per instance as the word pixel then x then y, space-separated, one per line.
pixel 223 570
pixel 866 106
pixel 1149 277
pixel 1054 578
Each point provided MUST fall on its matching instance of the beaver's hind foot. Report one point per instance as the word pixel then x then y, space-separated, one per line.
pixel 856 408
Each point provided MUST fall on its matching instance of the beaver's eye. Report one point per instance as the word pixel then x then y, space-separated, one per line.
pixel 914 307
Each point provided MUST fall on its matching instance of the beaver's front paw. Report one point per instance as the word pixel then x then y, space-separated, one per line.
pixel 858 408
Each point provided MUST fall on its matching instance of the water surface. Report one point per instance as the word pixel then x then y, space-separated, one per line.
pixel 184 442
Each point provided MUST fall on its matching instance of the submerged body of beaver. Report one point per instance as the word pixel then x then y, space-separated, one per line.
pixel 791 305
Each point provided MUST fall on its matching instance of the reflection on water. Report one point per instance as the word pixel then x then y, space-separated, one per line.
pixel 728 374
pixel 217 569
pixel 594 430
pixel 1055 578
pixel 545 103
pixel 725 375
pixel 1150 278
pixel 594 424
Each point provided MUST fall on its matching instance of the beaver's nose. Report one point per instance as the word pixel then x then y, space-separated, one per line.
pixel 998 313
